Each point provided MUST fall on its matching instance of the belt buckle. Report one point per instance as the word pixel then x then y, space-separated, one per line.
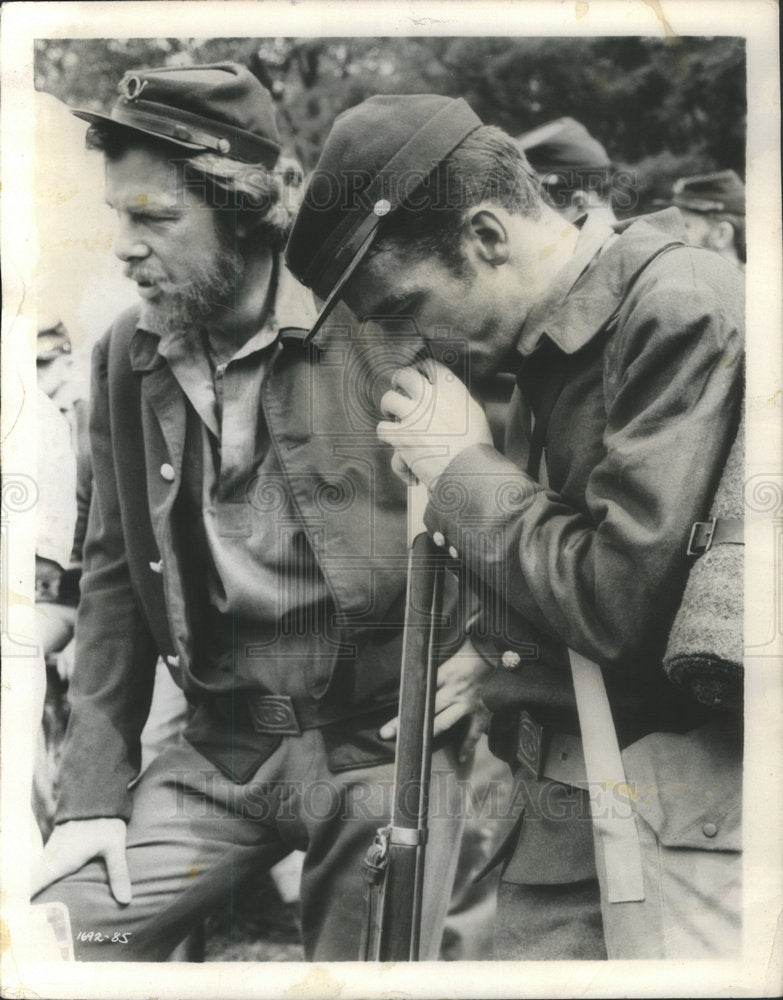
pixel 273 713
pixel 530 745
pixel 700 540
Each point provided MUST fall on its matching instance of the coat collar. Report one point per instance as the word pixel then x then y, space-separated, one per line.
pixel 590 288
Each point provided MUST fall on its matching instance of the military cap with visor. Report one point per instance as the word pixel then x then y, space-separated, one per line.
pixel 721 192
pixel 563 145
pixel 219 107
pixel 373 161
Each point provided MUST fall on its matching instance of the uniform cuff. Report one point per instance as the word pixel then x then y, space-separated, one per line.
pixel 477 495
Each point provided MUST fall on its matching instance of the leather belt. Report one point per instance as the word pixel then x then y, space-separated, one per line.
pixel 546 753
pixel 718 531
pixel 279 714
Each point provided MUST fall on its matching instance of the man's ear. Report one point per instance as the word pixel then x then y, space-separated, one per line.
pixel 488 236
pixel 721 235
pixel 580 201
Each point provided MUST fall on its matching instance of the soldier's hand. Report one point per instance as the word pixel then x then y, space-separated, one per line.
pixel 459 684
pixel 433 419
pixel 73 844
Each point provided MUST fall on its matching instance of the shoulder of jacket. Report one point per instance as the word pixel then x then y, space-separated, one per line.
pixel 680 288
pixel 695 270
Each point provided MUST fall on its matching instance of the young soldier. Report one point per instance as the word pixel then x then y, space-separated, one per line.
pixel 627 348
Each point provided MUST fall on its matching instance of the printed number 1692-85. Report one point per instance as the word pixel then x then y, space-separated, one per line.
pixel 118 937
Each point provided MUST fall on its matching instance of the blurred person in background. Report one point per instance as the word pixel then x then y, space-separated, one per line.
pixel 713 209
pixel 575 169
pixel 60 375
pixel 56 575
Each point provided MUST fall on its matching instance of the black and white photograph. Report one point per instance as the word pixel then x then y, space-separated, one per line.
pixel 392 499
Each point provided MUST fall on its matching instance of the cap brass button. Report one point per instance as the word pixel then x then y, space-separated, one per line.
pixel 709 829
pixel 438 538
pixel 167 471
pixel 180 132
pixel 224 146
pixel 511 659
pixel 453 552
pixel 173 661
pixel 156 567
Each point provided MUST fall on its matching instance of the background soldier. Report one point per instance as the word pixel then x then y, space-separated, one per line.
pixel 713 207
pixel 574 168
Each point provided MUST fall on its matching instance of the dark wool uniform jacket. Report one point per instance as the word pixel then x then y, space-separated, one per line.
pixel 138 583
pixel 645 350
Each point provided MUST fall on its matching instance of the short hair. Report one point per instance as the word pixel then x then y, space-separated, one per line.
pixel 486 166
pixel 227 185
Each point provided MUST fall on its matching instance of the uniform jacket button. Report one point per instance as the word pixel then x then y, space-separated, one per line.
pixel 167 471
pixel 156 567
pixel 453 552
pixel 510 659
pixel 709 829
pixel 173 661
pixel 438 538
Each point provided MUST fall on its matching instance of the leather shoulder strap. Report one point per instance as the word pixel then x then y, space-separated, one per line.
pixel 616 836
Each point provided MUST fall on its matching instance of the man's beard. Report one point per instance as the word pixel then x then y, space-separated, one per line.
pixel 211 287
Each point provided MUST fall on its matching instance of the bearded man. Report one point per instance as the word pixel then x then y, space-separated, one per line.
pixel 246 527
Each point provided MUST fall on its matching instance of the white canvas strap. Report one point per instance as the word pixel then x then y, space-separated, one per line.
pixel 610 796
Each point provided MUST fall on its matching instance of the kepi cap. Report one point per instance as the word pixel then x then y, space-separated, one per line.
pixel 562 145
pixel 376 156
pixel 219 107
pixel 722 191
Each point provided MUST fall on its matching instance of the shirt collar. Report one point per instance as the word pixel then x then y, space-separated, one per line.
pixel 590 288
pixel 294 306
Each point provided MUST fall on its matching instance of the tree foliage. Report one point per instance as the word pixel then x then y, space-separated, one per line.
pixel 662 108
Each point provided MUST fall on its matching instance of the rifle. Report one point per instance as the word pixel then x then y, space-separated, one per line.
pixel 394 863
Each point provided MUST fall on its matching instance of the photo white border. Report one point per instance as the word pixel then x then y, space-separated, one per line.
pixel 759 972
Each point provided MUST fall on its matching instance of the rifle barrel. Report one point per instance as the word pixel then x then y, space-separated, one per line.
pixel 405 873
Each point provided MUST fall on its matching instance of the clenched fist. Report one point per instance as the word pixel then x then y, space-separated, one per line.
pixel 433 419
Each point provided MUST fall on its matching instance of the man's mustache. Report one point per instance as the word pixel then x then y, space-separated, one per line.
pixel 143 274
